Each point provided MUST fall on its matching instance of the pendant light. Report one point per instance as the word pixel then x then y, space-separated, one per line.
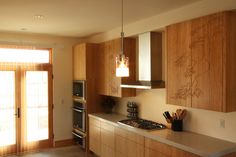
pixel 122 62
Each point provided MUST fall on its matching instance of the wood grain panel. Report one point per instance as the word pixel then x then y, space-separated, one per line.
pixel 121 145
pixel 135 149
pixel 107 151
pixel 79 62
pixel 109 83
pixel 102 78
pixel 179 68
pixel 230 155
pixel 153 153
pixel 108 138
pixel 95 133
pixel 180 153
pixel 135 138
pixel 94 122
pixel 130 51
pixel 229 61
pixel 207 62
pixel 159 147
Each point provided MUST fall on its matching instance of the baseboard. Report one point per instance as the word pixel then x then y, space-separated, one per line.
pixel 63 143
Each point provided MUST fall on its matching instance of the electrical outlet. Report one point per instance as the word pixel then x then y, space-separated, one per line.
pixel 222 123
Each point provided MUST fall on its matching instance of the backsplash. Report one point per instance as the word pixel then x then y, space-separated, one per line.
pixel 152 103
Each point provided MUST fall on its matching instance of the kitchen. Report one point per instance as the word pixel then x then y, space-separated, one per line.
pixel 152 103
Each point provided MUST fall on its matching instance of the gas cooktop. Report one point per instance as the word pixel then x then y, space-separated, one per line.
pixel 142 124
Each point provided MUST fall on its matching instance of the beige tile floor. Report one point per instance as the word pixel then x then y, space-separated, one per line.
pixel 71 151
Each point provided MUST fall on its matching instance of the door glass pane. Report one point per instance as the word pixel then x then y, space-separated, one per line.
pixel 37 105
pixel 7 108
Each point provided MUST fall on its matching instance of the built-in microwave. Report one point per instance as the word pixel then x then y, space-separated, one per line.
pixel 79 89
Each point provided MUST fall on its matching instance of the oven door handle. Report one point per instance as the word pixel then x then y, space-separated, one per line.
pixel 77 135
pixel 78 110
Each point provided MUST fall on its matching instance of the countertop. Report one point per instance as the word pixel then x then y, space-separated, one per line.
pixel 198 144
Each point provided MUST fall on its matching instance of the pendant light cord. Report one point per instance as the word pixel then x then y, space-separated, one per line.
pixel 122 27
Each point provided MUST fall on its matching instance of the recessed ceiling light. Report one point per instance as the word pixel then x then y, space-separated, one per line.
pixel 39 17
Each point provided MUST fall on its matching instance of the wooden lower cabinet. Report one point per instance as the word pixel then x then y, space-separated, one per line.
pixel 154 148
pixel 153 153
pixel 95 136
pixel 106 140
pixel 128 144
pixel 107 151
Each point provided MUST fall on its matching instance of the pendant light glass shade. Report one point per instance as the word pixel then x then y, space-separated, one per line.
pixel 122 66
pixel 122 62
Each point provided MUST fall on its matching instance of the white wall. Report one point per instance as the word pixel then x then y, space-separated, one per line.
pixel 62 70
pixel 152 103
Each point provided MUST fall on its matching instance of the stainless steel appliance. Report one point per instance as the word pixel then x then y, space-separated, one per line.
pixel 79 138
pixel 79 122
pixel 142 124
pixel 79 89
pixel 79 115
pixel 149 62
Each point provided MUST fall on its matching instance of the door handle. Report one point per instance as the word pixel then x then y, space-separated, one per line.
pixel 18 113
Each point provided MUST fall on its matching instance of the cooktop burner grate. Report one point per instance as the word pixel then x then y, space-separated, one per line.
pixel 143 124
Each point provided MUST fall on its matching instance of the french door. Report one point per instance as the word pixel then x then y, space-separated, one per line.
pixel 25 108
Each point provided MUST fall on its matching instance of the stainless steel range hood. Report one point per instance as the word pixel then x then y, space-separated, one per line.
pixel 149 62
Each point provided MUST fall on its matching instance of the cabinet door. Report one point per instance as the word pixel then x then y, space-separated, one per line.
pixel 153 153
pixel 109 83
pixel 179 68
pixel 207 62
pixel 135 149
pixel 107 140
pixel 115 82
pixel 121 145
pixel 94 140
pixel 102 84
pixel 158 147
pixel 107 151
pixel 180 153
pixel 94 136
pixel 79 62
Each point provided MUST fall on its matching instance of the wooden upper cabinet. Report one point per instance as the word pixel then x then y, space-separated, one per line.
pixel 209 65
pixel 79 62
pixel 207 62
pixel 179 64
pixel 84 61
pixel 108 83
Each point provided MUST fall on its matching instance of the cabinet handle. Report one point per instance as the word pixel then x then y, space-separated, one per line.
pixel 17 114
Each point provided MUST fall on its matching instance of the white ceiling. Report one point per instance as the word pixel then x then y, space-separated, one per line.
pixel 77 18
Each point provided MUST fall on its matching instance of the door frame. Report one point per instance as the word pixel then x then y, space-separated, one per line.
pixel 20 72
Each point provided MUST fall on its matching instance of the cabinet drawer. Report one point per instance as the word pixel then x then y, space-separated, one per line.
pixel 135 138
pixel 121 132
pixel 94 122
pixel 130 135
pixel 107 126
pixel 158 147
pixel 107 138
